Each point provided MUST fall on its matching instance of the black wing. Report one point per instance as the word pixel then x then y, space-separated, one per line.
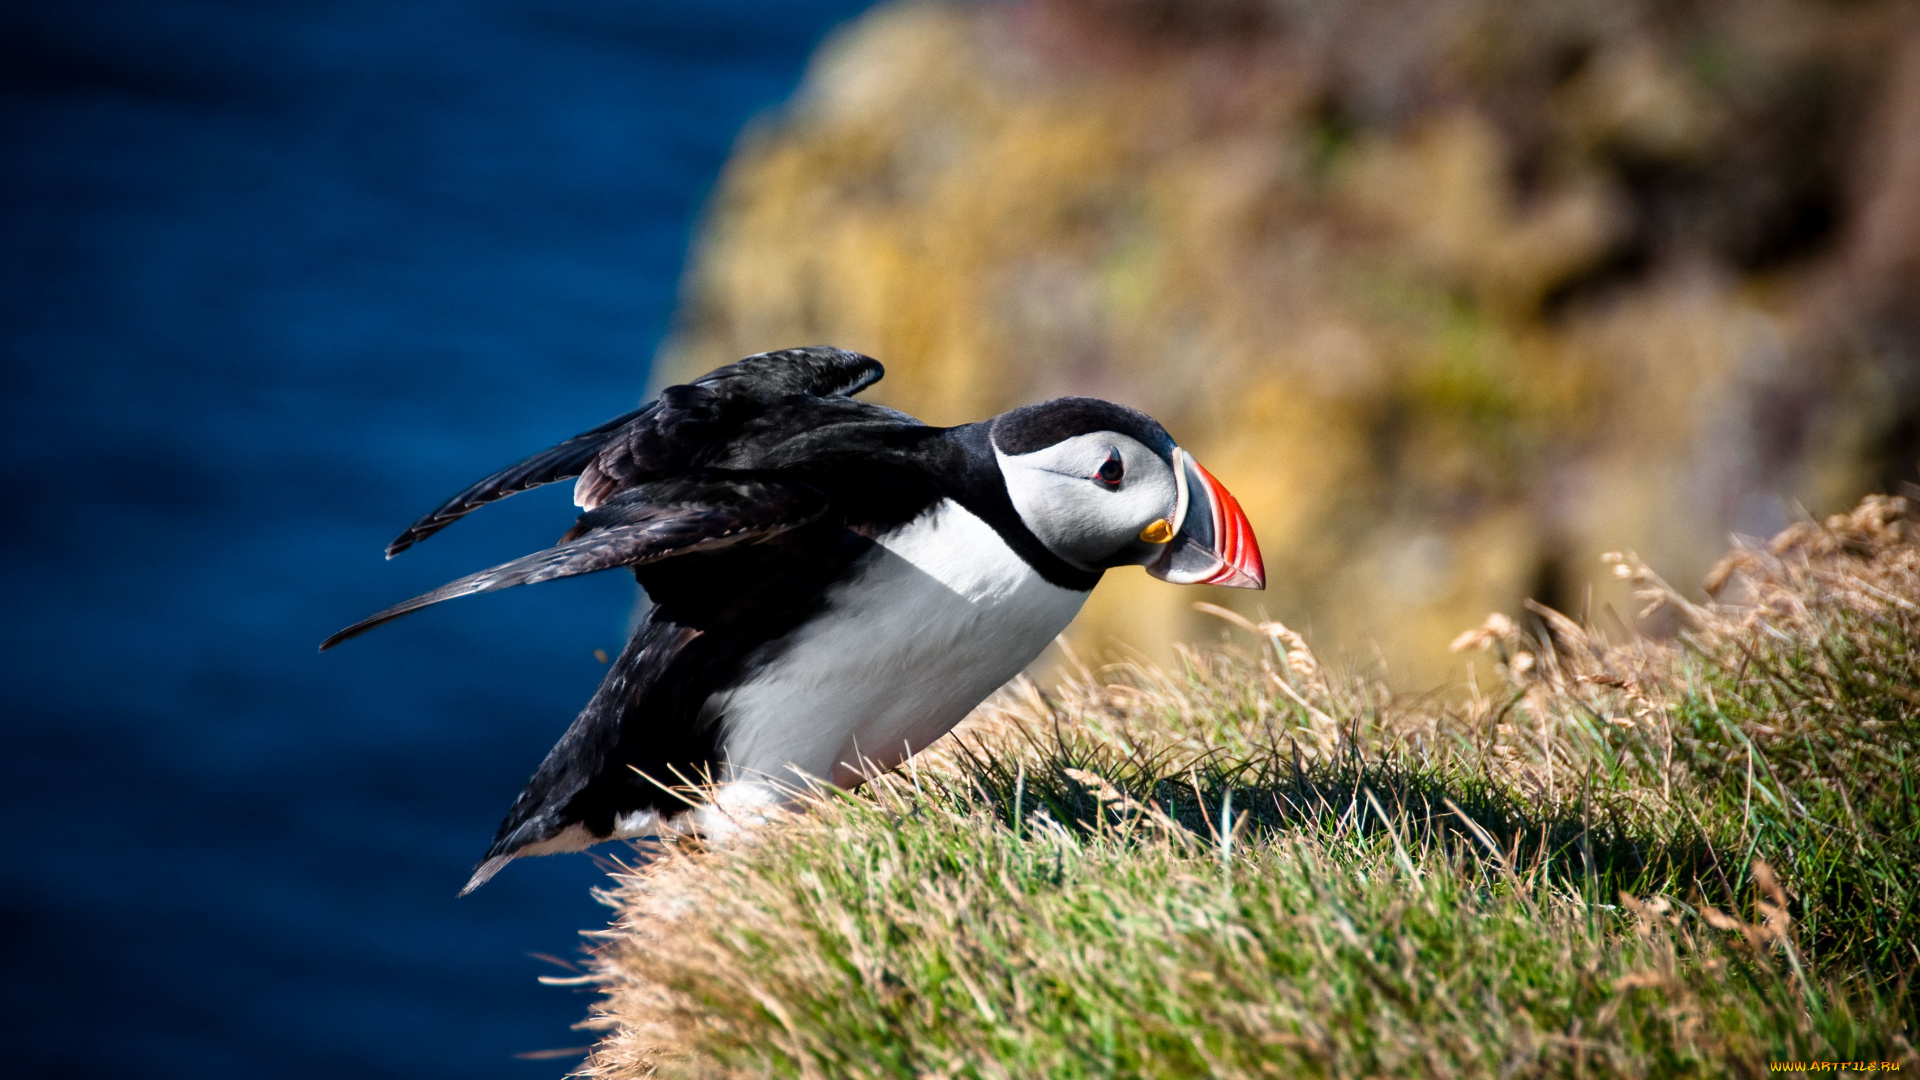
pixel 817 371
pixel 644 525
pixel 666 436
pixel 694 421
pixel 561 462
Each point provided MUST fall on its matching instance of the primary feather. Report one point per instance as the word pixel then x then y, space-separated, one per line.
pixel 639 526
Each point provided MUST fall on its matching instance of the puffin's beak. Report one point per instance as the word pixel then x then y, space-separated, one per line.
pixel 1212 542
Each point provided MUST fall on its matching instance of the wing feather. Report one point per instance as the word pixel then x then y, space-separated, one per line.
pixel 563 461
pixel 633 532
pixel 665 436
pixel 815 370
pixel 690 415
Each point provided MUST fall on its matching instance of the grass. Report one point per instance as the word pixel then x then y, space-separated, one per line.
pixel 1639 858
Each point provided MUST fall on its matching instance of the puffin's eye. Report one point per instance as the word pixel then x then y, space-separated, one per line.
pixel 1111 470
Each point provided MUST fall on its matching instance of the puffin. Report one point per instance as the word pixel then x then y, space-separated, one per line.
pixel 831 585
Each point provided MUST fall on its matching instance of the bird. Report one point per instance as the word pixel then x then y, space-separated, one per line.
pixel 831 585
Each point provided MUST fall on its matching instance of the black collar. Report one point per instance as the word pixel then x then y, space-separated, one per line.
pixel 973 479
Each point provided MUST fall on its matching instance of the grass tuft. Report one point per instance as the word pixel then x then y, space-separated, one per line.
pixel 1633 858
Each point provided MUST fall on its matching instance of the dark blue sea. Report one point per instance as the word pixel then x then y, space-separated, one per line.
pixel 276 277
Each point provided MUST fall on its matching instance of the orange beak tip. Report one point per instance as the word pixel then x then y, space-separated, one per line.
pixel 1238 550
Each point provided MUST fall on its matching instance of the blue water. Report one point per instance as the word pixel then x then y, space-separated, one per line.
pixel 275 278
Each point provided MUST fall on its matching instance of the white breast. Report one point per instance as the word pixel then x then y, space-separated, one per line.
pixel 937 617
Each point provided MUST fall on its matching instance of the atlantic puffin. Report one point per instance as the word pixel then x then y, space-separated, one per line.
pixel 832 584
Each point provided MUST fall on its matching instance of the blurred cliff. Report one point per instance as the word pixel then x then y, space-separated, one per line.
pixel 1453 294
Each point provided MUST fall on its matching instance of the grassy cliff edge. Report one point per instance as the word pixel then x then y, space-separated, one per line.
pixel 1630 857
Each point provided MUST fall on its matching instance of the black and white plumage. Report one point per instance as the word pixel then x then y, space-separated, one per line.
pixel 834 584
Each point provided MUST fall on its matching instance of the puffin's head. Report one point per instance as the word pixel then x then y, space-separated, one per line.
pixel 1102 485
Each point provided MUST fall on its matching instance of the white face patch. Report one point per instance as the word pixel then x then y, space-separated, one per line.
pixel 1061 499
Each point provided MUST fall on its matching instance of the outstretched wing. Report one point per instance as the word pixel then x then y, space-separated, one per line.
pixel 696 419
pixel 560 462
pixel 665 436
pixel 644 525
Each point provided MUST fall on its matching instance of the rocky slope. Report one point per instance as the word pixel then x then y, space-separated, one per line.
pixel 1453 295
